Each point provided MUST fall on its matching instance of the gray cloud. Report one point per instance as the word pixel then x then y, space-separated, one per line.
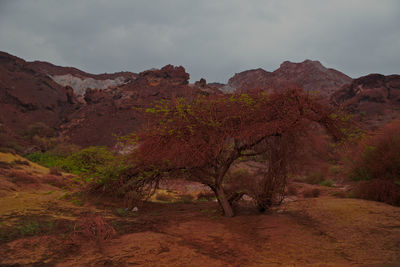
pixel 210 38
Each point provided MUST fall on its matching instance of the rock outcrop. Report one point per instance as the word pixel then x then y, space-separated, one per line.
pixel 310 75
pixel 119 111
pixel 28 96
pixel 92 109
pixel 374 98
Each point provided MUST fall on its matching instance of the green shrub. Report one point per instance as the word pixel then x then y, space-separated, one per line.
pixel 328 183
pixel 314 178
pixel 94 164
pixel 46 159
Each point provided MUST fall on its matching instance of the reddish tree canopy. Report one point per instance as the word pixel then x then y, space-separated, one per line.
pixel 205 137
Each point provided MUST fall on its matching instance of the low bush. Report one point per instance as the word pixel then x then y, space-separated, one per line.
pixel 328 183
pixel 21 177
pixel 375 163
pixel 54 180
pixel 291 190
pixel 46 159
pixel 311 192
pixel 97 165
pixel 93 227
pixel 378 155
pixel 314 178
pixel 379 190
pixel 55 171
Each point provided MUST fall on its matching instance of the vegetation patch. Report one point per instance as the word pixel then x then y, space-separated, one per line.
pixel 375 164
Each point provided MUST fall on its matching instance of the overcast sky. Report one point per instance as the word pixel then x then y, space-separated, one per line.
pixel 213 39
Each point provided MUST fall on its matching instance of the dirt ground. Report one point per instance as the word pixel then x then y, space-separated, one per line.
pixel 37 226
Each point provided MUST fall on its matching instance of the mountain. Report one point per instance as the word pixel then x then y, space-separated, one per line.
pixel 310 75
pixel 374 98
pixel 28 96
pixel 79 80
pixel 120 111
pixel 88 109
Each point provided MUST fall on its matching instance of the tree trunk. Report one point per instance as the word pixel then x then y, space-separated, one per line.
pixel 223 201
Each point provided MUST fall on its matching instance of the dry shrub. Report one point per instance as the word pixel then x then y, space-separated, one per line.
pixel 314 178
pixel 54 180
pixel 378 155
pixel 292 190
pixel 94 227
pixel 311 192
pixel 376 164
pixel 21 177
pixel 55 171
pixel 379 190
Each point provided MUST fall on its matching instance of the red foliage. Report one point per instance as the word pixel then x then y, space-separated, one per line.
pixel 379 190
pixel 207 136
pixel 376 162
pixel 378 155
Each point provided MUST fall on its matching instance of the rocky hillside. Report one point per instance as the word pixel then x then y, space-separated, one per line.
pixel 309 75
pixel 28 96
pixel 119 111
pixel 374 98
pixel 79 80
pixel 91 109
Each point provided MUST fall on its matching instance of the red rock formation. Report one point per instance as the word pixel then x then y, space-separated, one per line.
pixel 309 75
pixel 375 98
pixel 50 69
pixel 28 96
pixel 120 111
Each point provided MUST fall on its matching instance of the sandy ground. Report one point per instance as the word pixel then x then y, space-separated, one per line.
pixel 37 225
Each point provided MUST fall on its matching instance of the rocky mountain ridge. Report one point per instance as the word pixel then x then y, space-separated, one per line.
pixel 90 109
pixel 310 75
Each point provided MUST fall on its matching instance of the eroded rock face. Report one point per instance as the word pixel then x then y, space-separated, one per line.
pixel 80 85
pixel 79 80
pixel 29 93
pixel 28 96
pixel 310 75
pixel 375 98
pixel 120 110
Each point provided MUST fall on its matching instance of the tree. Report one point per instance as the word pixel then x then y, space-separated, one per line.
pixel 206 137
